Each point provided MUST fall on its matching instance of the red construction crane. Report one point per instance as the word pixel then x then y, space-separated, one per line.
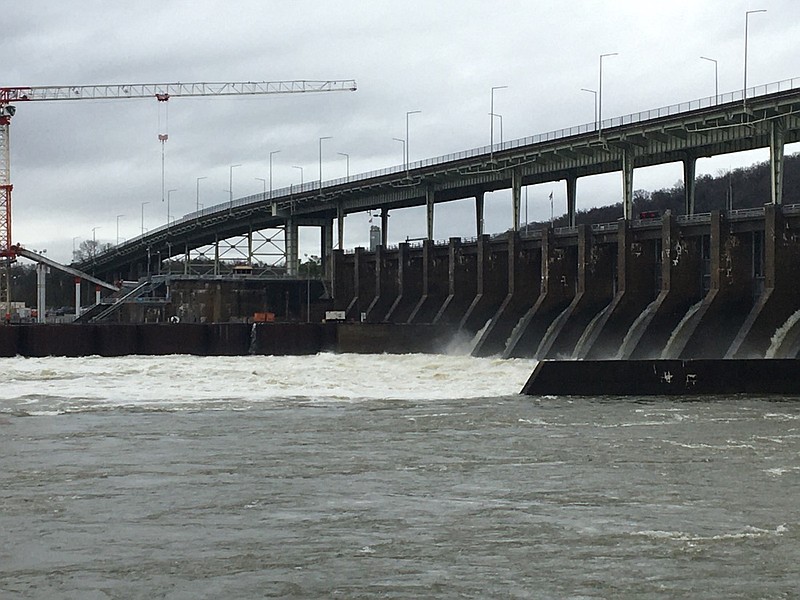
pixel 160 91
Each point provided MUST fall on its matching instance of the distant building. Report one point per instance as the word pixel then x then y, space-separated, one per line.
pixel 374 237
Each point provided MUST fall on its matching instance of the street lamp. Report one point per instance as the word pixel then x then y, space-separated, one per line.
pixel 230 188
pixel 746 21
pixel 491 112
pixel 143 203
pixel 716 78
pixel 600 94
pixel 94 241
pixel 347 158
pixel 270 171
pixel 118 218
pixel 595 103
pixel 169 196
pixel 404 147
pixel 264 181
pixel 197 203
pixel 501 126
pixel 301 174
pixel 408 146
pixel 327 137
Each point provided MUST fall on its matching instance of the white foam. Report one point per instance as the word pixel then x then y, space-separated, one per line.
pixel 175 382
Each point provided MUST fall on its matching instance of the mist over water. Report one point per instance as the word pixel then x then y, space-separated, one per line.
pixel 341 476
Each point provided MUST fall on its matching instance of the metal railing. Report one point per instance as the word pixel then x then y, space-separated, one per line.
pixel 696 218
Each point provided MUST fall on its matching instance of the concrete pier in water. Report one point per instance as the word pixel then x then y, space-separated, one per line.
pixel 701 286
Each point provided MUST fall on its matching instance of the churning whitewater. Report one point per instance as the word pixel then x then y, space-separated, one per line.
pixel 53 385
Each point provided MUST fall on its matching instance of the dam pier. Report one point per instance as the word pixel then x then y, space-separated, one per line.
pixel 717 285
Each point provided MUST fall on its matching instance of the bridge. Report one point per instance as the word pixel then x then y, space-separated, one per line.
pixel 266 224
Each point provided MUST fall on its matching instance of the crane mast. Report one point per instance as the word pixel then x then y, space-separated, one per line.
pixel 160 91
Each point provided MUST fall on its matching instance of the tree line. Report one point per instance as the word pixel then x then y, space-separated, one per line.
pixel 746 187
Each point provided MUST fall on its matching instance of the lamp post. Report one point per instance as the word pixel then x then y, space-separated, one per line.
pixel 271 154
pixel 197 202
pixel 264 181
pixel 327 137
pixel 407 150
pixel 143 203
pixel 402 141
pixel 347 158
pixel 94 241
pixel 716 78
pixel 230 188
pixel 500 117
pixel 746 22
pixel 169 197
pixel 491 120
pixel 600 95
pixel 118 218
pixel 301 174
pixel 594 92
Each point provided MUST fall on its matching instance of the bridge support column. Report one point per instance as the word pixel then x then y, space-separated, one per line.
pixel 41 283
pixel 216 254
pixel 327 250
pixel 572 194
pixel 384 227
pixel 627 184
pixel 776 142
pixel 516 197
pixel 429 211
pixel 186 258
pixel 292 250
pixel 479 203
pixel 77 297
pixel 340 224
pixel 689 172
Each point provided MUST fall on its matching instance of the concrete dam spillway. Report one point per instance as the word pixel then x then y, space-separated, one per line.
pixel 703 286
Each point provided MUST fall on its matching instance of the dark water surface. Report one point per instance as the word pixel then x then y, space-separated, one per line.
pixel 508 497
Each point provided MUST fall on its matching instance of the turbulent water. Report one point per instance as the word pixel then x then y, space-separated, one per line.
pixel 349 476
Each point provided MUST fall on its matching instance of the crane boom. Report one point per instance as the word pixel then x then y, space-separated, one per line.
pixel 160 91
pixel 168 90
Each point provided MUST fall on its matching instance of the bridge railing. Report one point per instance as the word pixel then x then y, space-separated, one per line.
pixel 286 193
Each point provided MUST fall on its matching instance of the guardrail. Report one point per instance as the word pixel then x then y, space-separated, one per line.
pixel 697 218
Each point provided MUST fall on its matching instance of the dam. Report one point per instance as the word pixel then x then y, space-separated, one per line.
pixel 652 285
pixel 715 285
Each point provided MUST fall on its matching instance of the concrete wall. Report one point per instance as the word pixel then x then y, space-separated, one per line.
pixel 524 261
pixel 435 282
pixel 219 339
pixel 462 274
pixel 558 285
pixel 409 284
pixel 491 285
pixel 781 295
pixel 596 285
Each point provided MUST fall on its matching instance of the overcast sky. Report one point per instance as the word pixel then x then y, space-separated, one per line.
pixel 76 166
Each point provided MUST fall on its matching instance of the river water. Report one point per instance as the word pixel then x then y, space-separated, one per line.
pixel 352 476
